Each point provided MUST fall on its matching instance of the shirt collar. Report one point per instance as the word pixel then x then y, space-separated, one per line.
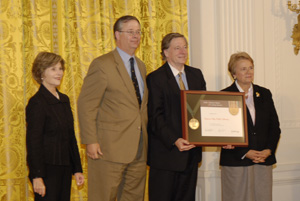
pixel 125 57
pixel 175 71
pixel 240 88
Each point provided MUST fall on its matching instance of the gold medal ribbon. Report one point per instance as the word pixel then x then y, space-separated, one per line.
pixel 193 123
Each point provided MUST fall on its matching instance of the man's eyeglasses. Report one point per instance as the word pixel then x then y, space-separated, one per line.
pixel 132 33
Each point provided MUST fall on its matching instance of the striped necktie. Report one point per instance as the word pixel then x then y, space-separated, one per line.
pixel 181 84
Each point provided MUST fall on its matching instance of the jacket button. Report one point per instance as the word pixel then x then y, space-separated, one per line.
pixel 254 133
pixel 139 128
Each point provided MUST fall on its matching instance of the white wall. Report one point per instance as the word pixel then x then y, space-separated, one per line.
pixel 262 28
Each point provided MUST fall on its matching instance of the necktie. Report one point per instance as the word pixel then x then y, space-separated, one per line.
pixel 134 81
pixel 181 85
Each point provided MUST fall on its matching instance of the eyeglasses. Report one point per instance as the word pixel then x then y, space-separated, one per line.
pixel 132 33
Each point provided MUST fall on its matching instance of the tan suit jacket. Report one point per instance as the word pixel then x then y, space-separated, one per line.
pixel 109 112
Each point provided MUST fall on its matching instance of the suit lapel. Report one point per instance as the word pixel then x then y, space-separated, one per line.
pixel 143 74
pixel 192 84
pixel 257 104
pixel 171 79
pixel 124 75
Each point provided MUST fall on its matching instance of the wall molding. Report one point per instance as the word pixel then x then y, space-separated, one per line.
pixel 290 124
pixel 286 174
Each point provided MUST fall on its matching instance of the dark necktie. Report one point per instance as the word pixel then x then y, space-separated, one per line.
pixel 134 81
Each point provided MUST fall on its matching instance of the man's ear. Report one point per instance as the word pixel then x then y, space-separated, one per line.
pixel 117 35
pixel 166 52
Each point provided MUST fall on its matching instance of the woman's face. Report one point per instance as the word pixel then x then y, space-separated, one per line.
pixel 244 72
pixel 52 76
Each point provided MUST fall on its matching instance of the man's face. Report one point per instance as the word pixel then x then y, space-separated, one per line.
pixel 128 39
pixel 177 53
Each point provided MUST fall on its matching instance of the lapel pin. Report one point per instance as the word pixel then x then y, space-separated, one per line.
pixel 257 94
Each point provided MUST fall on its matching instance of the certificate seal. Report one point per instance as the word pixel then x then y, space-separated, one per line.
pixel 194 124
pixel 233 107
pixel 234 111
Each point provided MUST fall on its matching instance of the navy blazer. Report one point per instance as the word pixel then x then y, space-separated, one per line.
pixel 50 136
pixel 164 122
pixel 264 134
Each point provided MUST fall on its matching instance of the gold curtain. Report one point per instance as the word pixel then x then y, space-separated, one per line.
pixel 79 31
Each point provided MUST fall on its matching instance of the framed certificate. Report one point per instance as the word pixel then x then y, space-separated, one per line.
pixel 214 118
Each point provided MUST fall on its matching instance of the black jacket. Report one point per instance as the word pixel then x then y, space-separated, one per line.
pixel 164 124
pixel 50 137
pixel 264 134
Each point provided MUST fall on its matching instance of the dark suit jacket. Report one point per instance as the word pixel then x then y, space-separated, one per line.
pixel 50 137
pixel 164 125
pixel 264 134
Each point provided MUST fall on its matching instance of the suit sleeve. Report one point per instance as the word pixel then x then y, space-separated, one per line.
pixel 35 118
pixel 201 79
pixel 274 134
pixel 75 157
pixel 76 163
pixel 89 100
pixel 157 105
pixel 241 152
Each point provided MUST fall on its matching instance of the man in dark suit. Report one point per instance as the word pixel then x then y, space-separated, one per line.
pixel 112 113
pixel 173 160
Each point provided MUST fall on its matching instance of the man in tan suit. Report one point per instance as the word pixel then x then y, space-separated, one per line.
pixel 112 111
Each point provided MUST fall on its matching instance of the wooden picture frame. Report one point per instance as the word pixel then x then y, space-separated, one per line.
pixel 214 118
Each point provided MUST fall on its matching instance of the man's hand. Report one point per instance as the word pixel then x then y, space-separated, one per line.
pixel 183 145
pixel 93 151
pixel 39 186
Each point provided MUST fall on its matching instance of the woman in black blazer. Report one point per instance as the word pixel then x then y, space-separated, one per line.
pixel 52 152
pixel 246 173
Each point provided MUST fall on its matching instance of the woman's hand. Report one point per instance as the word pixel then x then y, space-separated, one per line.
pixel 39 186
pixel 253 155
pixel 258 156
pixel 79 178
pixel 264 154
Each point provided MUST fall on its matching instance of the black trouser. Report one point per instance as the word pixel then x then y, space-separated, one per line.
pixel 167 185
pixel 58 183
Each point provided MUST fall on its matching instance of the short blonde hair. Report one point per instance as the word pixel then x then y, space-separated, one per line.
pixel 235 58
pixel 43 61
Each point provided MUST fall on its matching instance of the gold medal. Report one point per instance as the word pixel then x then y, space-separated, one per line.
pixel 233 107
pixel 234 111
pixel 194 124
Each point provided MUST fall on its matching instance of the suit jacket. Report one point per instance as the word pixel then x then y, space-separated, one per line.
pixel 164 126
pixel 264 134
pixel 109 112
pixel 50 136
